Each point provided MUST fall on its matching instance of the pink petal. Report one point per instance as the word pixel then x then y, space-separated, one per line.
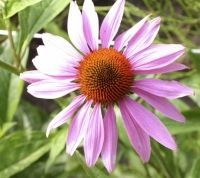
pixel 167 89
pixel 162 105
pixel 33 76
pixel 138 138
pixel 93 141
pixel 78 128
pixel 111 23
pixel 51 89
pixel 50 64
pixel 75 28
pixel 65 114
pixel 57 43
pixel 36 76
pixel 167 69
pixel 109 149
pixel 157 56
pixel 122 40
pixel 149 123
pixel 143 38
pixel 90 24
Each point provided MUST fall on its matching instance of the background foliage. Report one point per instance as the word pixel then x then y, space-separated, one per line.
pixel 25 152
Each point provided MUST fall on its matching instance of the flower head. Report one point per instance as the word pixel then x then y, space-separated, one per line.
pixel 105 75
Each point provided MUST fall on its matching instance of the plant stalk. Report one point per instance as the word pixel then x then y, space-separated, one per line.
pixel 9 67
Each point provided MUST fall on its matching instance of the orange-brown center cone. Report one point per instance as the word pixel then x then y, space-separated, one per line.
pixel 105 76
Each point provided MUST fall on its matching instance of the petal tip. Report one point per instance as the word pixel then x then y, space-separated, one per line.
pixel 48 131
pixel 145 158
pixel 69 151
pixel 90 163
pixel 182 120
pixel 21 76
pixel 172 145
pixel 110 169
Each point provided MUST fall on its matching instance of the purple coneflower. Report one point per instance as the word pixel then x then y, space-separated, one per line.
pixel 105 76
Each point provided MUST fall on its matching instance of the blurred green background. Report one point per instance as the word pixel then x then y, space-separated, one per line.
pixel 25 152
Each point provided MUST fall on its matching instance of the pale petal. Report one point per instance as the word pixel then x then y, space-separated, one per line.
pixel 109 149
pixel 53 54
pixel 75 28
pixel 167 89
pixel 111 23
pixel 33 76
pixel 157 56
pixel 78 128
pixel 144 38
pixel 51 89
pixel 167 69
pixel 65 114
pixel 94 137
pixel 63 46
pixel 122 40
pixel 162 105
pixel 137 136
pixel 90 24
pixel 48 64
pixel 149 123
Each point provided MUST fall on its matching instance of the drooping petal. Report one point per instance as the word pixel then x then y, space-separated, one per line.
pixel 109 149
pixel 162 105
pixel 78 128
pixel 65 114
pixel 36 76
pixel 63 46
pixel 111 23
pixel 157 56
pixel 94 137
pixel 51 89
pixel 90 24
pixel 149 123
pixel 33 76
pixel 123 39
pixel 167 89
pixel 143 38
pixel 75 28
pixel 49 64
pixel 167 69
pixel 137 136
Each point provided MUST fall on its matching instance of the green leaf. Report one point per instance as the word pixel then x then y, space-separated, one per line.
pixel 91 172
pixel 195 171
pixel 195 60
pixel 2 23
pixel 6 126
pixel 11 86
pixel 55 29
pixel 57 146
pixel 193 82
pixel 35 17
pixel 19 150
pixel 30 116
pixel 11 7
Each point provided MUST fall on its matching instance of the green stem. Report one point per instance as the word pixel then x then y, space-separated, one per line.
pixel 9 68
pixel 10 37
pixel 161 165
pixel 160 157
pixel 147 171
pixel 177 171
